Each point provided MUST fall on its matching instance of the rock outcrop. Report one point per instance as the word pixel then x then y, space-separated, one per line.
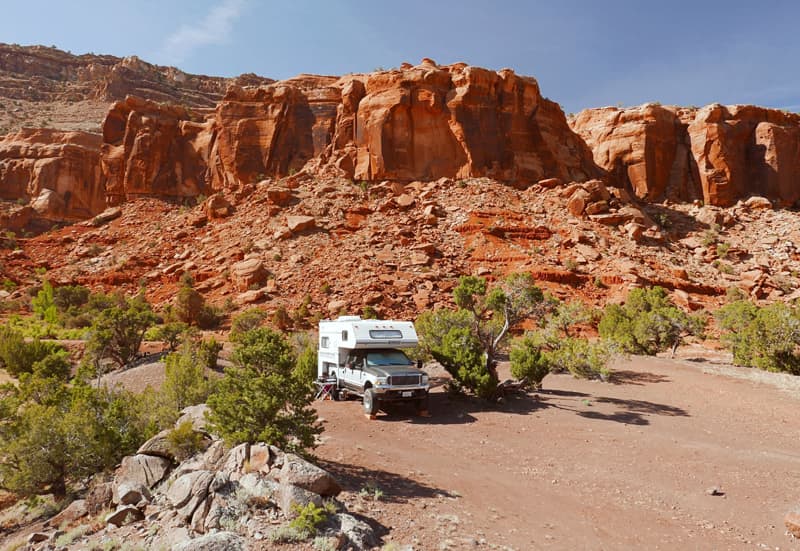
pixel 719 154
pixel 150 149
pixel 58 171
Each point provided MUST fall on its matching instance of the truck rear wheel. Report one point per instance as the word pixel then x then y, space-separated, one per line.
pixel 371 402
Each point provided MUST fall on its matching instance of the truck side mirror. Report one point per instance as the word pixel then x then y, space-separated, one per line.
pixel 419 364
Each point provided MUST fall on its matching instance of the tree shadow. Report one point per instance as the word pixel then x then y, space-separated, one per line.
pixel 624 417
pixel 639 378
pixel 396 488
pixel 643 406
pixel 446 409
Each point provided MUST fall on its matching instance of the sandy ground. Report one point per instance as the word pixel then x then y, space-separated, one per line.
pixel 582 465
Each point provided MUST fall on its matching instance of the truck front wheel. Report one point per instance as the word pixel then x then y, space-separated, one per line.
pixel 335 392
pixel 371 402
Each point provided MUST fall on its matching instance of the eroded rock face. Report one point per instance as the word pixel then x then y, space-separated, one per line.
pixel 150 149
pixel 718 154
pixel 428 122
pixel 415 123
pixel 60 171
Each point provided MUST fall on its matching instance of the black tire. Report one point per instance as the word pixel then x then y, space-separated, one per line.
pixel 371 402
pixel 335 394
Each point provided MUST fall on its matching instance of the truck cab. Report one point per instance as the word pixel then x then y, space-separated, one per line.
pixel 365 358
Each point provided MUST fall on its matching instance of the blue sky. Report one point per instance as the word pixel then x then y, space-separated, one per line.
pixel 584 54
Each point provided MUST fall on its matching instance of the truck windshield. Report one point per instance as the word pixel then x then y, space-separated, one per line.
pixel 387 357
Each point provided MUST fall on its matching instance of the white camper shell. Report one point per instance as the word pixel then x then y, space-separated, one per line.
pixel 364 357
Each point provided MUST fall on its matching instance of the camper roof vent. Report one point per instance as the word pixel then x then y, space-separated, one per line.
pixel 349 318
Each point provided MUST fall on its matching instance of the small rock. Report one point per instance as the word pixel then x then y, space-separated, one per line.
pixel 792 522
pixel 297 224
pixel 756 202
pixel 551 183
pixel 38 537
pixel 715 491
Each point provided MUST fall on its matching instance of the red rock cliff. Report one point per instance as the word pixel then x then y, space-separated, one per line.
pixel 719 154
pixel 59 171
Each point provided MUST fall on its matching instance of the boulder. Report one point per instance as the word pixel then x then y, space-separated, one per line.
pixel 578 201
pixel 360 535
pixel 290 497
pixel 279 196
pixel 106 216
pixel 131 493
pixel 145 470
pixel 756 202
pixel 218 541
pixel 99 497
pixel 196 415
pixel 72 512
pixel 248 273
pixel 158 446
pixel 217 206
pixel 125 514
pixel 189 491
pixel 301 473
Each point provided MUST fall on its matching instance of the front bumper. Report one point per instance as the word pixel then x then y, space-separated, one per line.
pixel 389 394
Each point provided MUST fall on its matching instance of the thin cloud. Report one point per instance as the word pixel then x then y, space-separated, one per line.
pixel 215 28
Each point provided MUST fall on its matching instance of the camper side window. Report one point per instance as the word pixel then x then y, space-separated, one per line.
pixel 324 342
pixel 344 335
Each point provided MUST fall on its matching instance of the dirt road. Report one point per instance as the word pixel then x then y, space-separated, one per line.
pixel 586 465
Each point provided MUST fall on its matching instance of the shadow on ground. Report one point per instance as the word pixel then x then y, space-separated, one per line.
pixel 628 412
pixel 640 378
pixel 396 488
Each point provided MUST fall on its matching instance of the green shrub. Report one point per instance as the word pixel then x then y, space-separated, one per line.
pixel 306 367
pixel 528 360
pixel 170 333
pixel 247 320
pixel 369 313
pixel 765 337
pixel 260 399
pixel 54 433
pixel 281 319
pixel 648 323
pixel 184 441
pixel 584 359
pixel 43 304
pixel 117 332
pixel 308 520
pixel 19 356
pixel 208 352
pixel 185 382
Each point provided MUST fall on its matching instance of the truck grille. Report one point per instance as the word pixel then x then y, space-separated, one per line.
pixel 402 380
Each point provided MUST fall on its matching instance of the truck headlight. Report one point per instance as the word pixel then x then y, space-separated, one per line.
pixel 424 379
pixel 382 381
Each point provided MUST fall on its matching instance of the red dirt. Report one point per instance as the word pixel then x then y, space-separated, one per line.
pixel 585 465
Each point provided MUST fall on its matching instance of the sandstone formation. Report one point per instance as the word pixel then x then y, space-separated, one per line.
pixel 60 170
pixel 719 154
pixel 150 149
